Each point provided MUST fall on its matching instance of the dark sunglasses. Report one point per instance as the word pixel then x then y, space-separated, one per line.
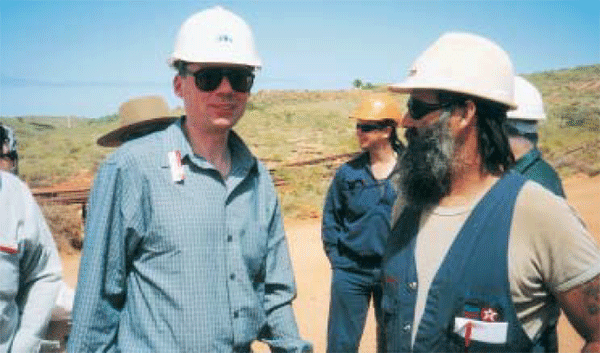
pixel 10 155
pixel 418 109
pixel 208 79
pixel 370 127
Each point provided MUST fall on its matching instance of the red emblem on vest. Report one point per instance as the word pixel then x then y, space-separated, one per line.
pixel 489 315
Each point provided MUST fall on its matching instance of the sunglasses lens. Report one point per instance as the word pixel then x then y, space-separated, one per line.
pixel 370 127
pixel 209 79
pixel 418 109
pixel 240 80
pixel 10 155
pixel 363 127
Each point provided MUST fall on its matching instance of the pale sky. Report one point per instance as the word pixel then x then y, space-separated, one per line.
pixel 85 58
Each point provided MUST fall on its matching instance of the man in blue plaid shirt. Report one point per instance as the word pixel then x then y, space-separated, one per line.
pixel 185 249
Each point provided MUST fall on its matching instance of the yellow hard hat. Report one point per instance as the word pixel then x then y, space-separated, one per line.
pixel 378 107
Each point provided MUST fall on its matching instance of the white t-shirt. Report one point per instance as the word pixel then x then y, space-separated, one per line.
pixel 549 251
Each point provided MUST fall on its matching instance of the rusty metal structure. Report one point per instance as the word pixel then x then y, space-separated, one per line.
pixel 79 194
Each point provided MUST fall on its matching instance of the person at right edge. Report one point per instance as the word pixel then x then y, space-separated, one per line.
pixel 356 220
pixel 522 129
pixel 479 258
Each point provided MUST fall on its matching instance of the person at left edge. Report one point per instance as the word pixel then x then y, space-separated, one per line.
pixel 356 220
pixel 30 268
pixel 185 249
pixel 9 158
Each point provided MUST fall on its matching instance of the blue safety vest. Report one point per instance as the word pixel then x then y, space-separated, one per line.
pixel 472 279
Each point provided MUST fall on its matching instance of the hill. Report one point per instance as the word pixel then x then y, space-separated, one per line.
pixel 303 136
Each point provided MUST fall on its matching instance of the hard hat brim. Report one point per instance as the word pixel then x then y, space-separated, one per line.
pixel 257 65
pixel 408 87
pixel 537 117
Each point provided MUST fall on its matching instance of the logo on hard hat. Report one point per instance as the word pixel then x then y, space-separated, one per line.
pixel 225 38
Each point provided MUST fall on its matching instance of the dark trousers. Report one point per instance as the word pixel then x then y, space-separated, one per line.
pixel 351 293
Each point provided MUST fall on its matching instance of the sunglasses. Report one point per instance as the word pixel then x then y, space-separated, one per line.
pixel 10 155
pixel 370 127
pixel 208 79
pixel 418 109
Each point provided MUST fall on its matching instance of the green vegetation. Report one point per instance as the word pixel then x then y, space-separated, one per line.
pixel 570 138
pixel 358 83
pixel 284 127
pixel 53 150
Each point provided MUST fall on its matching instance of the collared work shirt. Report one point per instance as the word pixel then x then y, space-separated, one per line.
pixel 534 167
pixel 198 265
pixel 30 268
pixel 356 215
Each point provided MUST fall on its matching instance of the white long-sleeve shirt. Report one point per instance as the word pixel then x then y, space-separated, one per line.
pixel 30 268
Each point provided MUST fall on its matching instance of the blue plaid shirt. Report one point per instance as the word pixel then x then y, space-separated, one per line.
pixel 200 265
pixel 30 268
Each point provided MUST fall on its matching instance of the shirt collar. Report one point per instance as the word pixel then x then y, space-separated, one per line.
pixel 175 139
pixel 527 160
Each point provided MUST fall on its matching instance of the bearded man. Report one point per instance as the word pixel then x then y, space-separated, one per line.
pixel 479 259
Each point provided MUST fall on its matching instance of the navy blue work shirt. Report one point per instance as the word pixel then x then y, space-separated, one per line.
pixel 356 216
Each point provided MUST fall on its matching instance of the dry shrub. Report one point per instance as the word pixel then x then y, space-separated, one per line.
pixel 587 118
pixel 65 222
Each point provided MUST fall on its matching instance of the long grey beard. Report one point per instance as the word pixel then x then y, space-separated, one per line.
pixel 426 163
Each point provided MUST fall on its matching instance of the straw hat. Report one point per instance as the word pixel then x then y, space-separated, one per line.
pixel 139 116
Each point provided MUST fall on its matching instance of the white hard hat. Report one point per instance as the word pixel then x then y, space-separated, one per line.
pixel 215 35
pixel 529 100
pixel 463 63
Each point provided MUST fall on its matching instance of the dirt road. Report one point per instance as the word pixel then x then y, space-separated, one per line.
pixel 313 273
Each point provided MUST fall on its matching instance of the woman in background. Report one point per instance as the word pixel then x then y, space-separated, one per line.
pixel 356 222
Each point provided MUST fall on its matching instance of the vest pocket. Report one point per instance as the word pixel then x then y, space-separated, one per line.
pixel 457 344
pixel 479 325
